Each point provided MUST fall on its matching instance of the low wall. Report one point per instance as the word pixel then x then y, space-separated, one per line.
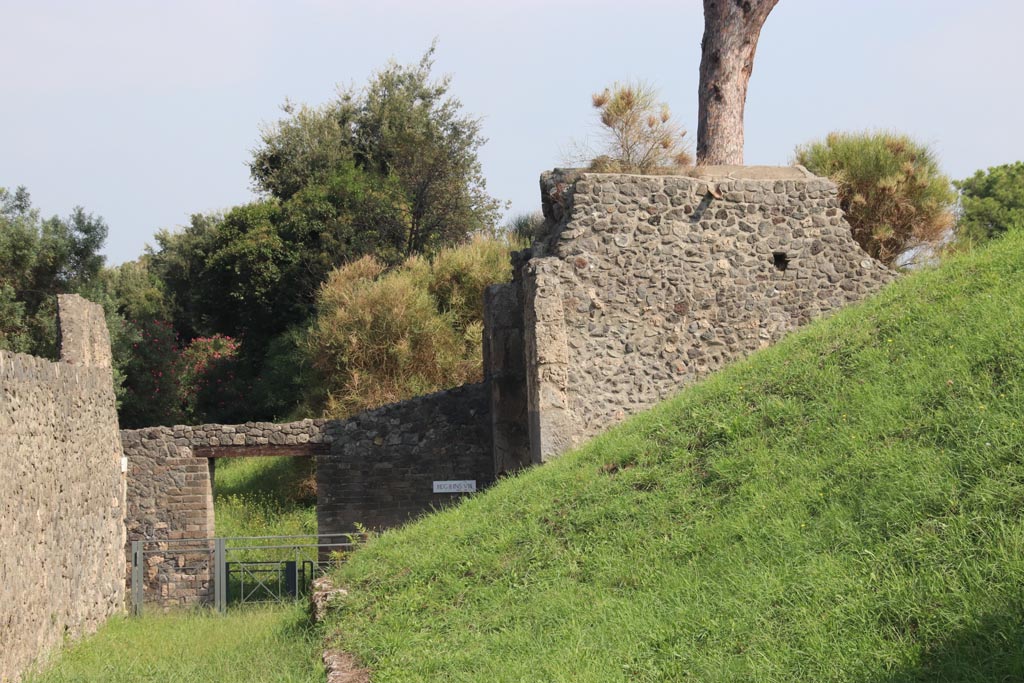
pixel 383 463
pixel 62 493
pixel 644 284
pixel 376 469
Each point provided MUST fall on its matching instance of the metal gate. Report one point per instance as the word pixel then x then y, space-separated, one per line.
pixel 227 571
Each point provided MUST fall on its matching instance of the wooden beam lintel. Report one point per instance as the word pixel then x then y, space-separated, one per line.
pixel 262 451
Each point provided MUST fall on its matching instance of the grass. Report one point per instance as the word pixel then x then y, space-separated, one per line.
pixel 250 645
pixel 846 506
pixel 264 497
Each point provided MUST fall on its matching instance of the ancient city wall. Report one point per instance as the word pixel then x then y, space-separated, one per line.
pixel 62 493
pixel 638 286
pixel 644 284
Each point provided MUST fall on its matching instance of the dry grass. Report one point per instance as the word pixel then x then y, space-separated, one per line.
pixel 382 336
pixel 639 134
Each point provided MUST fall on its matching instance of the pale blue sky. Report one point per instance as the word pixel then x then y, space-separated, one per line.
pixel 145 112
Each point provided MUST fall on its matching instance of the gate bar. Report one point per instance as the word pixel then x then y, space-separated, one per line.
pixel 138 589
pixel 220 581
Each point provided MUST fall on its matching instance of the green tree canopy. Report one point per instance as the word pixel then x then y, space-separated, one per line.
pixel 40 258
pixel 991 202
pixel 407 133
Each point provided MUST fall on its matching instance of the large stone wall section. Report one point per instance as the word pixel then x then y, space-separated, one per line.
pixel 644 284
pixel 62 493
pixel 383 462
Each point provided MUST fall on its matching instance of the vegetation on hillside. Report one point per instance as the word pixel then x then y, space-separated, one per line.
pixel 845 506
pixel 264 496
pixel 383 335
pixel 40 258
pixel 388 171
pixel 891 189
pixel 991 203
pixel 221 309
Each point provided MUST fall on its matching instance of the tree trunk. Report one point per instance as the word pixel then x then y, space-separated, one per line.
pixel 731 30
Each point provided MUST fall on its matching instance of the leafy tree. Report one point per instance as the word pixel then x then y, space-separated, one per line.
pixel 891 188
pixel 991 203
pixel 640 135
pixel 388 170
pixel 403 127
pixel 307 147
pixel 152 387
pixel 238 288
pixel 136 290
pixel 40 258
pixel 128 293
pixel 14 335
pixel 208 386
pixel 408 126
pixel 178 263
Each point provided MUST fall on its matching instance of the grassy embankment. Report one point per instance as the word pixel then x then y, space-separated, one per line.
pixel 254 497
pixel 846 506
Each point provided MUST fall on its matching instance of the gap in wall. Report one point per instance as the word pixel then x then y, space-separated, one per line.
pixel 264 496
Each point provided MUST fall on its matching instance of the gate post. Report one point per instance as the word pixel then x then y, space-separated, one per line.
pixel 138 589
pixel 219 575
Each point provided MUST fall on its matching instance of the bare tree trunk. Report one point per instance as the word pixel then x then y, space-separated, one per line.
pixel 731 30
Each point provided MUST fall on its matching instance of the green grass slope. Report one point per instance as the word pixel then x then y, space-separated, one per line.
pixel 846 506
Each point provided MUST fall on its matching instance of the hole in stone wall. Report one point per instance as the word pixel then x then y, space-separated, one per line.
pixel 780 260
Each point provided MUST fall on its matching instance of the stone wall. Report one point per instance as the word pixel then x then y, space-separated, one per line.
pixel 170 498
pixel 249 434
pixel 376 469
pixel 503 366
pixel 644 284
pixel 62 493
pixel 638 286
pixel 383 463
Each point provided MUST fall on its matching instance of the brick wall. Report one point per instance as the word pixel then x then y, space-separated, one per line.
pixel 169 498
pixel 383 463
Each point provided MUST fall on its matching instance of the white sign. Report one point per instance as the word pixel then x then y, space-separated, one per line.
pixel 461 486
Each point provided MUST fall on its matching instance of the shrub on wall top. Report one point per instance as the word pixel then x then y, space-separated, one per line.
pixel 891 188
pixel 638 134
